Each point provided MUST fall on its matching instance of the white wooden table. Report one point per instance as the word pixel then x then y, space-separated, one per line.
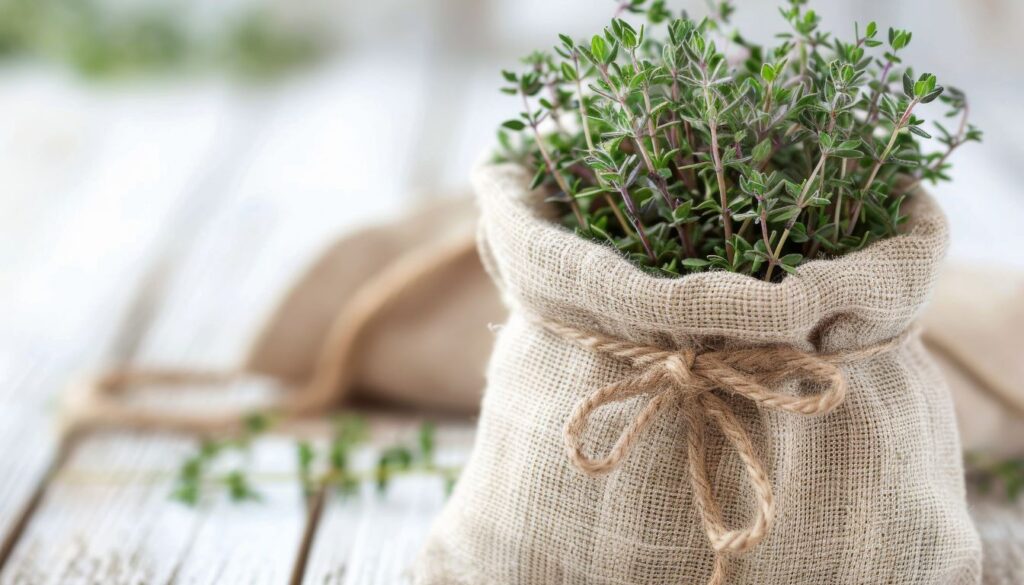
pixel 157 225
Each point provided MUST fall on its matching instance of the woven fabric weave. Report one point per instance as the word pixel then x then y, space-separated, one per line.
pixel 872 492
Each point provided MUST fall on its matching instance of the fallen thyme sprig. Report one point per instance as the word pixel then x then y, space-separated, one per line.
pixel 197 479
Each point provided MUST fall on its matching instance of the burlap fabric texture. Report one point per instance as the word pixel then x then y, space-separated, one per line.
pixel 710 428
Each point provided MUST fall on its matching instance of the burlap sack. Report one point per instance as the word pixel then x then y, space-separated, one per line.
pixel 370 320
pixel 626 437
pixel 380 310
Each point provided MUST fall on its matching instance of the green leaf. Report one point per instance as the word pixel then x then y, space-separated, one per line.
pixel 847 153
pixel 256 423
pixel 628 39
pixel 847 73
pixel 427 441
pixel 695 263
pixel 568 72
pixel 791 259
pixel 590 192
pixel 920 89
pixel 239 488
pixel 708 204
pixel 931 96
pixel 306 454
pixel 781 214
pixel 918 131
pixel 514 124
pixel 763 150
pixel 682 212
pixel 599 48
pixel 612 55
pixel 187 494
pixel 538 177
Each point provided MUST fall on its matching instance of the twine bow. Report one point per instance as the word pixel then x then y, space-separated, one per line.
pixel 685 377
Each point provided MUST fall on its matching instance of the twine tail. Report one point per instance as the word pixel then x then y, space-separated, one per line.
pixel 703 493
pixel 742 540
pixel 720 569
pixel 99 402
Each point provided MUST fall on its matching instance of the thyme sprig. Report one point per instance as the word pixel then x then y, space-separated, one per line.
pixel 197 477
pixel 319 469
pixel 692 148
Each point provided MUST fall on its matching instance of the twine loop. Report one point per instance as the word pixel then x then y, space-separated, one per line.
pixel 688 379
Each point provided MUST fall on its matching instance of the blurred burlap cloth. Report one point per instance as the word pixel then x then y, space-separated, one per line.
pixel 398 314
pixel 975 330
pixel 371 320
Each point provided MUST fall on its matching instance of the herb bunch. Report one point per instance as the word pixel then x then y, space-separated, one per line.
pixel 696 149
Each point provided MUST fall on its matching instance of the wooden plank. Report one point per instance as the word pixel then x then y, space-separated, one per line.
pixel 372 538
pixel 293 195
pixel 107 518
pixel 107 515
pixel 107 214
pixel 1001 526
pixel 29 446
pixel 78 234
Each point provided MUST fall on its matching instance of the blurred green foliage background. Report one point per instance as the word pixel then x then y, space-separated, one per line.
pixel 146 37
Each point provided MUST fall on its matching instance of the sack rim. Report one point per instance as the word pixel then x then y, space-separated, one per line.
pixel 507 203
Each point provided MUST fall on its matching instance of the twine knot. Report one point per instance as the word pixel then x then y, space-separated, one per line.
pixel 687 379
pixel 678 367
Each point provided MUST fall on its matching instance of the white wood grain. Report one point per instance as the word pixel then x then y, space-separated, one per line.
pixel 1001 526
pixel 289 199
pixel 76 246
pixel 372 538
pixel 106 516
pixel 87 241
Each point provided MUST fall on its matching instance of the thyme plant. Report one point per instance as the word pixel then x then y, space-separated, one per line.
pixel 687 147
